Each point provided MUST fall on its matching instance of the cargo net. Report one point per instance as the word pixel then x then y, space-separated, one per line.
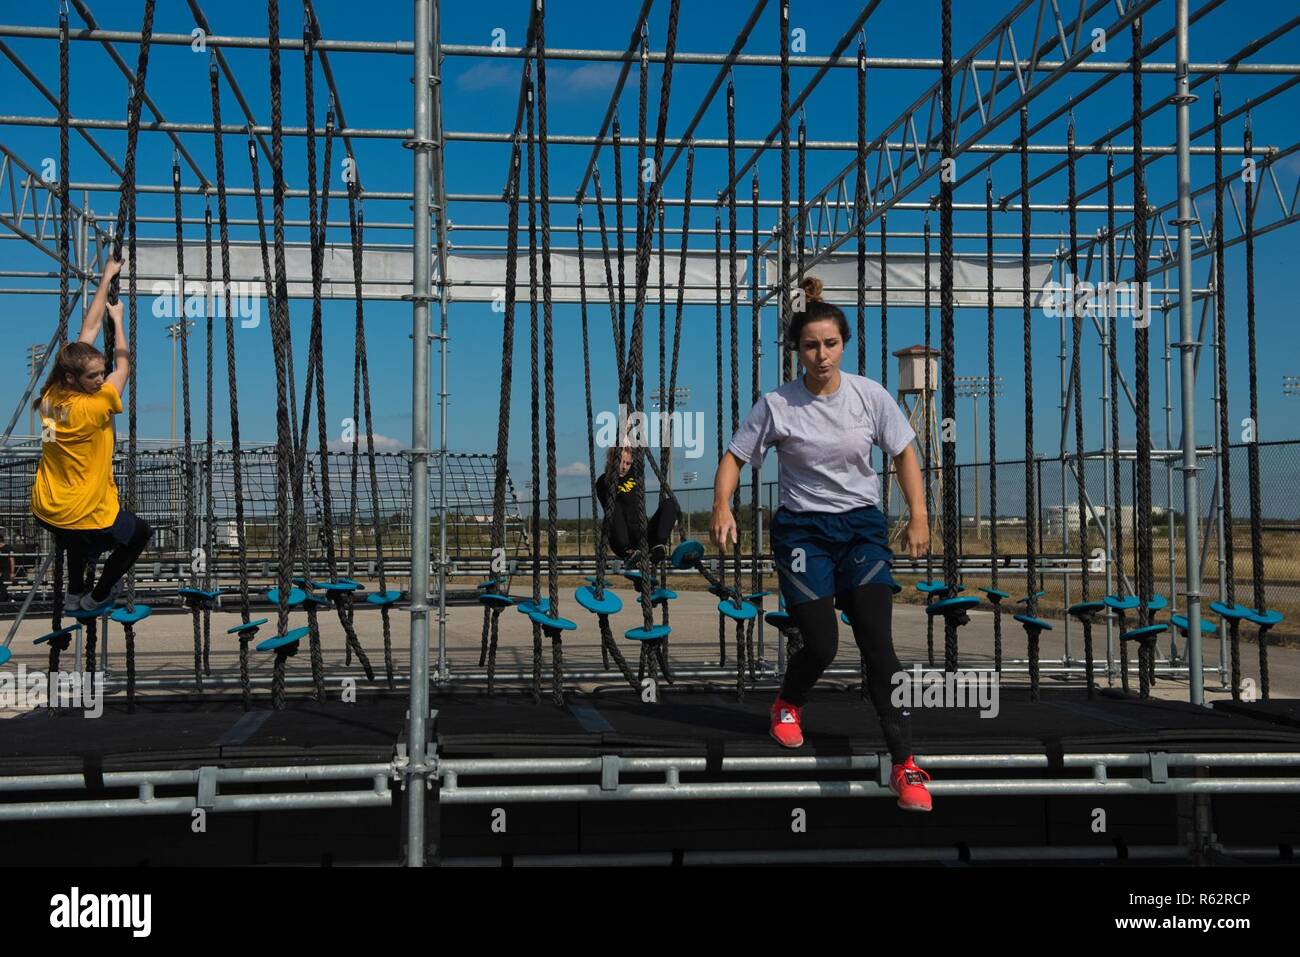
pixel 163 478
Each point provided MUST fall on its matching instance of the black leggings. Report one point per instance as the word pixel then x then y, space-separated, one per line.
pixel 84 549
pixel 622 538
pixel 870 608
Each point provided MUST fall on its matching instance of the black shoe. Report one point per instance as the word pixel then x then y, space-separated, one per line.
pixel 658 553
pixel 632 559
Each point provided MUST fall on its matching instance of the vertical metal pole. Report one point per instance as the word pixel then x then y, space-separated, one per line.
pixel 421 294
pixel 1191 494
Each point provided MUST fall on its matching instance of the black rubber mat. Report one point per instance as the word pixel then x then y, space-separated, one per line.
pixel 1283 711
pixel 190 731
pixel 699 722
pixel 187 733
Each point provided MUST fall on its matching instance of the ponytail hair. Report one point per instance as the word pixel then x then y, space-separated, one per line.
pixel 72 360
pixel 815 309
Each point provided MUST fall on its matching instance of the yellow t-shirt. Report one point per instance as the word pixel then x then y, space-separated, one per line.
pixel 74 485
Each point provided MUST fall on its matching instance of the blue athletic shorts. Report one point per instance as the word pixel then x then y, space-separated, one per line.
pixel 840 551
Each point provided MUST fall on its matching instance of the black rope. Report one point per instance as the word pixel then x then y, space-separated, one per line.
pixel 65 204
pixel 127 199
pixel 1142 377
pixel 1031 490
pixel 223 224
pixel 635 364
pixel 210 515
pixel 500 464
pixel 948 349
pixel 859 206
pixel 993 429
pixel 535 527
pixel 717 332
pixel 187 459
pixel 1252 447
pixel 1117 527
pixel 279 338
pixel 884 347
pixel 787 358
pixel 743 650
pixel 314 355
pixel 620 337
pixel 927 408
pixel 614 306
pixel 552 531
pixel 755 329
pixel 1076 374
pixel 1221 372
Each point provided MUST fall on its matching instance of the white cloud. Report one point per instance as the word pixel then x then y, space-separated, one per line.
pixel 490 75
pixel 574 469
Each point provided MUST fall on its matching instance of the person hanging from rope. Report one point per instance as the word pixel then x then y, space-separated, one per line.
pixel 74 496
pixel 829 536
pixel 624 520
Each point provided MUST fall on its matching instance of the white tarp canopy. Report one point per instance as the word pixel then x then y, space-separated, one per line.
pixel 475 277
pixel 906 275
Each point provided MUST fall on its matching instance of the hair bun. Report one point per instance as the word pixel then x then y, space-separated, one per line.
pixel 812 287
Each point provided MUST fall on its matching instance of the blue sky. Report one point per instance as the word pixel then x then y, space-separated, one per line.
pixel 480 95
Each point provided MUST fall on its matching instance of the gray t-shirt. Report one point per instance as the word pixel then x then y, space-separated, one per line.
pixel 823 442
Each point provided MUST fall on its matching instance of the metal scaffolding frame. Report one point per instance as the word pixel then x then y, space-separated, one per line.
pixel 997 78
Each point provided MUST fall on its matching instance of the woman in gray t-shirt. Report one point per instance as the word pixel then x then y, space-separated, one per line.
pixel 829 536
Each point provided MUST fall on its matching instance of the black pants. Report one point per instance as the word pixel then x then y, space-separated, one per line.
pixel 622 537
pixel 870 608
pixel 125 541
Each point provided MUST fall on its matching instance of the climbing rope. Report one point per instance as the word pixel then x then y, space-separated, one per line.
pixel 236 453
pixel 993 428
pixel 948 350
pixel 1221 372
pixel 1076 378
pixel 1252 447
pixel 859 205
pixel 1031 496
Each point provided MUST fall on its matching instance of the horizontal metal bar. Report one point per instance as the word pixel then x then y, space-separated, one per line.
pixel 563 139
pixel 227 129
pixel 857 762
pixel 753 790
pixel 231 803
pixel 406 48
pixel 287 42
pixel 168 778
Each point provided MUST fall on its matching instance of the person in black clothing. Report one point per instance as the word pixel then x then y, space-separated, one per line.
pixel 624 519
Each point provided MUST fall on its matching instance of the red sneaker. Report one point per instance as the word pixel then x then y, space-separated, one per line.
pixel 785 724
pixel 908 782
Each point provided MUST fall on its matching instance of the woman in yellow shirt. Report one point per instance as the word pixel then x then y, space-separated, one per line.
pixel 74 495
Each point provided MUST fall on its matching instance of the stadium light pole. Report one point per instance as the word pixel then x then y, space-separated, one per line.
pixel 972 387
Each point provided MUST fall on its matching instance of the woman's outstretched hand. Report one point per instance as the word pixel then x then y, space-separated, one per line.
pixel 112 267
pixel 722 527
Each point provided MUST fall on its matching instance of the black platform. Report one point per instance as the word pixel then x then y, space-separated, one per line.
pixel 697 721
pixel 192 732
